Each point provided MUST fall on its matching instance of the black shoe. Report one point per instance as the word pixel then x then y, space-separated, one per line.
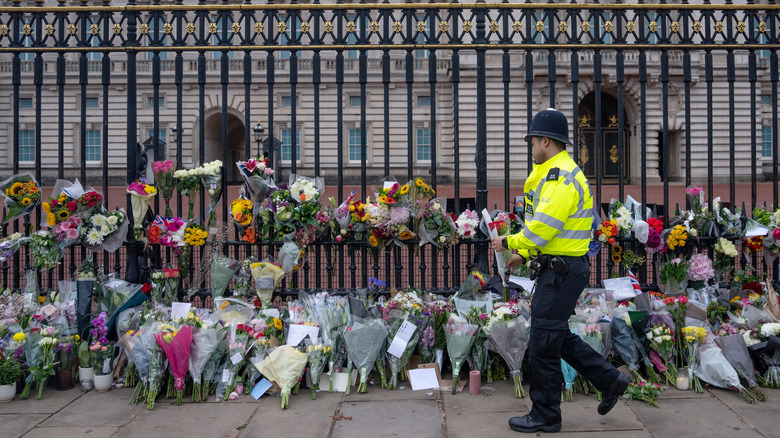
pixel 610 398
pixel 529 424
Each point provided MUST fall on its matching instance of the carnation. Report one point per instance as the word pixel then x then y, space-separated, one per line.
pixel 654 242
pixel 700 268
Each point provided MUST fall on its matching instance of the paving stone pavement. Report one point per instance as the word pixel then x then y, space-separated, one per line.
pixel 379 413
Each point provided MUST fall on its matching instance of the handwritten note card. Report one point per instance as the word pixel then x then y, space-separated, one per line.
pixel 401 339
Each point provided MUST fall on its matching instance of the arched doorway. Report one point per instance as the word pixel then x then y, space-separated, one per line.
pixel 608 147
pixel 235 142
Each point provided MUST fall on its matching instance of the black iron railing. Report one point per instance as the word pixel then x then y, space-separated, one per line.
pixel 225 55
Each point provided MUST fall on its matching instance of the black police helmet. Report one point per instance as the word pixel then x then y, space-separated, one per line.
pixel 549 123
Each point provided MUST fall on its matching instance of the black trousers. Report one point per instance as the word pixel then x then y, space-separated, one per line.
pixel 551 340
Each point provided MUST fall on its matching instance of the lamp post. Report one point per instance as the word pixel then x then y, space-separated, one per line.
pixel 258 130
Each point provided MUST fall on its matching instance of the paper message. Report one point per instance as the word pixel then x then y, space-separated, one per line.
pixel 180 310
pixel 388 185
pixel 621 287
pixel 260 388
pixel 236 358
pixel 298 332
pixel 401 339
pixel 265 283
pixel 526 283
pixel 423 378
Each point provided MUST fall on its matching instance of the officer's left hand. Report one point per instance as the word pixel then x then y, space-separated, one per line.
pixel 496 243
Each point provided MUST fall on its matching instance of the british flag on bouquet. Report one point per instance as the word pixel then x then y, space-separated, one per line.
pixel 634 282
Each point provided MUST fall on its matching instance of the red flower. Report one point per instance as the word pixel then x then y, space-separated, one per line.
pixel 53 202
pixel 146 288
pixel 682 299
pixel 72 205
pixel 669 301
pixel 753 286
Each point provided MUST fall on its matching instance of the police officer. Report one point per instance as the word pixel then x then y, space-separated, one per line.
pixel 558 221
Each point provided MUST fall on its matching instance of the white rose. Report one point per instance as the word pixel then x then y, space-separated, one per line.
pixel 112 220
pixel 436 206
pixel 179 174
pixel 693 232
pixel 666 338
pixel 650 336
pixel 657 339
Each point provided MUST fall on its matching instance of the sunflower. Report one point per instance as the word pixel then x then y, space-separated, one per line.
pixel 16 189
pixel 406 235
pixel 617 249
pixel 63 215
pixel 373 241
pixel 616 258
pixel 404 189
pixel 26 201
pixel 426 189
pixel 419 182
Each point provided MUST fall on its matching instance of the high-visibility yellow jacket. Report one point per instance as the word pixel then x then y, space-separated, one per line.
pixel 558 210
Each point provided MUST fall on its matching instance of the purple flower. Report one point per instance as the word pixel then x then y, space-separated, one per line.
pixel 654 242
pixel 399 215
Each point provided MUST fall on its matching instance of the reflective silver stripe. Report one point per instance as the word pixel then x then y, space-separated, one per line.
pixel 549 220
pixel 575 234
pixel 582 214
pixel 539 241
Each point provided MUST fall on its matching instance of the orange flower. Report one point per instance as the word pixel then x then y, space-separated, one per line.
pixel 154 235
pixel 249 235
pixel 611 240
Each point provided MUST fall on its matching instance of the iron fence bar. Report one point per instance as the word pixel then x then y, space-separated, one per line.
pixel 316 81
pixel 643 125
pixel 599 154
pixel 620 79
pixel 709 77
pixel 409 65
pixel 731 78
pixel 455 68
pixel 178 133
pixel 481 147
pixel 505 69
pixel 106 82
pixel 665 127
pixel 133 267
pixel 687 86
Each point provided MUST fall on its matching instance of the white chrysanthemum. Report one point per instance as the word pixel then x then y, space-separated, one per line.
pixel 749 340
pixel 98 220
pixel 15 236
pixel 94 237
pixel 770 329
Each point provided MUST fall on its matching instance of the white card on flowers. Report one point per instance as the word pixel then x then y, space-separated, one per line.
pixel 401 339
pixel 298 332
pixel 180 310
pixel 621 287
pixel 236 358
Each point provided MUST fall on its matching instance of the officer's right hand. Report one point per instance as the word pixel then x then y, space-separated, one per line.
pixel 514 261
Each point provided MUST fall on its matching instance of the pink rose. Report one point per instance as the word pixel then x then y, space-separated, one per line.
pixel 776 233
